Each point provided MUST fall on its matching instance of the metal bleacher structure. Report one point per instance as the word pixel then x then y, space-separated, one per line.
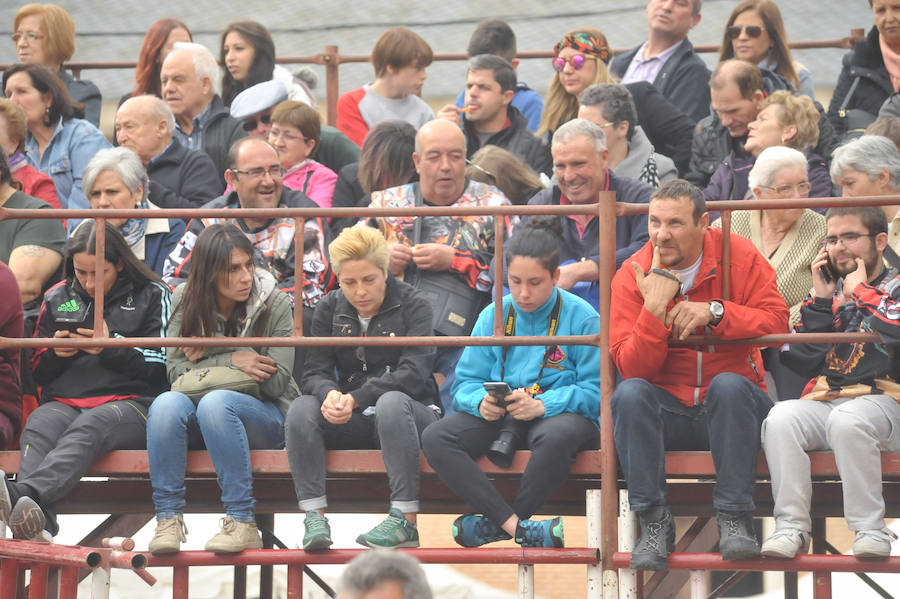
pixel 119 485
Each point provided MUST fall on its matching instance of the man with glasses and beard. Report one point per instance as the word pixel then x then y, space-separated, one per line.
pixel 852 406
pixel 255 177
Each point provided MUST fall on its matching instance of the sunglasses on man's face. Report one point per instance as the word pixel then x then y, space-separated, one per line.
pixel 734 31
pixel 251 124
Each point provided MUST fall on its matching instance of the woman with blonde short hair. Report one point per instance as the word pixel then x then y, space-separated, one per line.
pixel 786 119
pixel 364 397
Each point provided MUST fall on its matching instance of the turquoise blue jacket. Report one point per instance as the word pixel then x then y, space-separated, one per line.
pixel 571 383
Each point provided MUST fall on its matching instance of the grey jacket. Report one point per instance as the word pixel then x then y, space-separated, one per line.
pixel 639 152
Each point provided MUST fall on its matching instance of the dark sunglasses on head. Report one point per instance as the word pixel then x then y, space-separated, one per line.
pixel 250 124
pixel 734 31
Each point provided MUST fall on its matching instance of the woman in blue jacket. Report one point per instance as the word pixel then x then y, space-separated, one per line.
pixel 554 403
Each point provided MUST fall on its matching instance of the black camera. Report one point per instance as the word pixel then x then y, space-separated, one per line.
pixel 512 431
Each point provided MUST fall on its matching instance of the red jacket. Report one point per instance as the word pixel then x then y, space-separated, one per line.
pixel 639 341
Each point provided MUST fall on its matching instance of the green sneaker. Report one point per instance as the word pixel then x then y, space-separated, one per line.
pixel 395 531
pixel 317 532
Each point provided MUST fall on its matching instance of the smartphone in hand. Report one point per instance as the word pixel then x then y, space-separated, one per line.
pixel 499 391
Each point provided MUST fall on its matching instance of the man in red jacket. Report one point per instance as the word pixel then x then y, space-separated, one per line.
pixel 694 397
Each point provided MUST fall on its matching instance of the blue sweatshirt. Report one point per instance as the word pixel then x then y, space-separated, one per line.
pixel 571 382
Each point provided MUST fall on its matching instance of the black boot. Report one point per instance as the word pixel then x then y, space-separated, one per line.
pixel 657 540
pixel 737 539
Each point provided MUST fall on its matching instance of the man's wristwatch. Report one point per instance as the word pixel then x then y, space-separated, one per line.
pixel 717 311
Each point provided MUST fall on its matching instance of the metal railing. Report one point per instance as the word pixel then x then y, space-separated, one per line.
pixel 601 582
pixel 332 59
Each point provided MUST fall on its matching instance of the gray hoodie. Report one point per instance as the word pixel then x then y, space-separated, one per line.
pixel 639 151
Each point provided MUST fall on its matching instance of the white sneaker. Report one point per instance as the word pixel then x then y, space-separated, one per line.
pixel 873 543
pixel 786 543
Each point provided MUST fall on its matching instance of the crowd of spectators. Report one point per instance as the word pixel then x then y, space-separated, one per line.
pixel 653 126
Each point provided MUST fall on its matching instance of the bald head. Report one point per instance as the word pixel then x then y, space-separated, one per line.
pixel 440 160
pixel 144 125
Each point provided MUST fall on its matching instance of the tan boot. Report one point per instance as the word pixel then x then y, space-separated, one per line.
pixel 235 536
pixel 170 534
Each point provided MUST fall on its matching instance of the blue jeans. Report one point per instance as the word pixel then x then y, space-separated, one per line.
pixel 647 421
pixel 230 424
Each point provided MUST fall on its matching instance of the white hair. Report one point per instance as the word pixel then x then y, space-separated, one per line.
pixel 869 154
pixel 772 161
pixel 205 64
pixel 580 128
pixel 124 163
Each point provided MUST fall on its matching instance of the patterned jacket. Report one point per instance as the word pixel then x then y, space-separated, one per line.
pixel 274 244
pixel 472 237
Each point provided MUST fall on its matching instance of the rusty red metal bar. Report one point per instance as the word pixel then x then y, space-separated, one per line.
pixel 275 557
pixel 801 563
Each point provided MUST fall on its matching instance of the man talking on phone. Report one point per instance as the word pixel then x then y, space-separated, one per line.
pixel 851 406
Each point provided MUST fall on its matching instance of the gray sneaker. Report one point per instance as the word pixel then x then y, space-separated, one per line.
pixel 170 534
pixel 787 543
pixel 234 537
pixel 873 543
pixel 27 519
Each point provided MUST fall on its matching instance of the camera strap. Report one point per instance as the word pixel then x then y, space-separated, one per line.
pixel 509 330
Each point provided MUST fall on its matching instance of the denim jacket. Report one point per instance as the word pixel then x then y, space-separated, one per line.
pixel 73 144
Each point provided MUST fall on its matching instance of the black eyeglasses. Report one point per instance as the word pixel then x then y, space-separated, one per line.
pixel 274 171
pixel 251 124
pixel 845 238
pixel 734 31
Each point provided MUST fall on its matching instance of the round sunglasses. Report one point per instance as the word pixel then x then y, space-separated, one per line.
pixel 734 31
pixel 577 62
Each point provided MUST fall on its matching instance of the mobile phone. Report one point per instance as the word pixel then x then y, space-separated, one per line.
pixel 827 270
pixel 71 325
pixel 499 391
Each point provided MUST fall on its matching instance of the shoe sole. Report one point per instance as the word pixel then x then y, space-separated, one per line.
pixel 404 545
pixel 658 565
pixel 778 554
pixel 871 554
pixel 214 550
pixel 743 553
pixel 164 550
pixel 318 544
pixel 27 519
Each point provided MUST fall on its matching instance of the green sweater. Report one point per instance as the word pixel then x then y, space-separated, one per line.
pixel 280 387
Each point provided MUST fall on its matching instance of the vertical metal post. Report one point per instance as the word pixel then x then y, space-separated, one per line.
pixel 606 230
pixel 295 581
pixel 628 578
pixel 332 83
pixel 100 251
pixel 726 254
pixel 699 584
pixel 299 276
pixel 265 572
pixel 593 515
pixel 68 584
pixel 180 582
pixel 37 587
pixel 821 580
pixel 790 585
pixel 499 236
pixel 240 582
pixel 526 581
pixel 100 581
pixel 9 577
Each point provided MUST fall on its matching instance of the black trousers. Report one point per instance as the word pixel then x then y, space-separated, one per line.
pixel 60 443
pixel 453 444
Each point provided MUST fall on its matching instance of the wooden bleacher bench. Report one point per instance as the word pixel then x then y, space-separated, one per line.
pixel 357 482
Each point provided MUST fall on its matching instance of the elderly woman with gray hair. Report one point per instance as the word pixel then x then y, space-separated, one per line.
pixel 789 238
pixel 870 166
pixel 611 107
pixel 116 178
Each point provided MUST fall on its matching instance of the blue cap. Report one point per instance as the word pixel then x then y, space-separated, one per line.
pixel 257 98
